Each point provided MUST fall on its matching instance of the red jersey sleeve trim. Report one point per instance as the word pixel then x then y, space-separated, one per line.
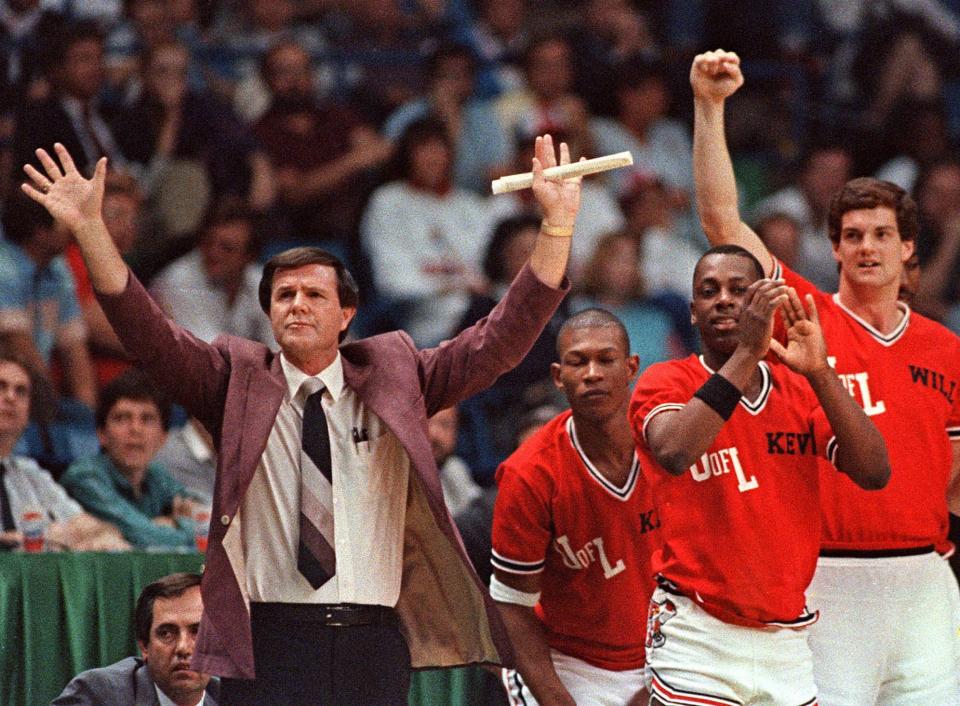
pixel 512 566
pixel 666 407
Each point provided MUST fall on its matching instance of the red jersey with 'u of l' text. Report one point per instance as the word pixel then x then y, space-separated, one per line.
pixel 741 527
pixel 556 515
pixel 908 383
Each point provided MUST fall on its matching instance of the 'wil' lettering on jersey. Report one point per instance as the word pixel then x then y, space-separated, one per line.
pixel 934 380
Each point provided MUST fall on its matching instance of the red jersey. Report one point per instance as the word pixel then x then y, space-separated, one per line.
pixel 907 382
pixel 557 515
pixel 741 528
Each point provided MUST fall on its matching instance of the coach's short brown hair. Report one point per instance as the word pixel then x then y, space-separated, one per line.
pixel 347 291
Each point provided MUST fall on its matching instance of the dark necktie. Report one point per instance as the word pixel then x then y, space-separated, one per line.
pixel 8 523
pixel 316 559
pixel 92 134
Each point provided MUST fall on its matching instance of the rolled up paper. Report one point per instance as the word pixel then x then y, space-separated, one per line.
pixel 516 182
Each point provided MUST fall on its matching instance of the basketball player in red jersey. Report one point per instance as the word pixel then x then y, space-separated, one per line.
pixel 882 554
pixel 572 532
pixel 729 445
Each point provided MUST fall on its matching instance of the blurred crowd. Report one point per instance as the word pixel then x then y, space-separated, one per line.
pixel 238 128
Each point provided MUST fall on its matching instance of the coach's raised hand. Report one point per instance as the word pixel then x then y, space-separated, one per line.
pixel 77 203
pixel 560 202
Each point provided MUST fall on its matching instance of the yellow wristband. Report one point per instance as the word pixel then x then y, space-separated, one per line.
pixel 556 231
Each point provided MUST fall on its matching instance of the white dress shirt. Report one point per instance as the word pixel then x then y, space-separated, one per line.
pixel 370 485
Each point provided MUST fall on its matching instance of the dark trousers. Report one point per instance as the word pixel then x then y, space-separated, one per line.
pixel 301 661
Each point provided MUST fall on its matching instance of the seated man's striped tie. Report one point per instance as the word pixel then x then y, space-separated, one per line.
pixel 316 558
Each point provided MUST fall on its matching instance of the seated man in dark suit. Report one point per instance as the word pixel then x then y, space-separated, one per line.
pixel 167 618
pixel 72 113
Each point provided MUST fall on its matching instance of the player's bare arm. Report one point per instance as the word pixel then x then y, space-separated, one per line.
pixel 530 642
pixel 953 489
pixel 677 439
pixel 861 451
pixel 78 203
pixel 714 77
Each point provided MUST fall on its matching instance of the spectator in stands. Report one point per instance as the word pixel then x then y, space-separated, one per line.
pixel 147 24
pixel 121 214
pixel 823 171
pixel 241 34
pixel 905 52
pixel 653 210
pixel 781 234
pixel 23 25
pixel 384 46
pixel 611 32
pixel 459 487
pixel 167 618
pixel 491 416
pixel 320 152
pixel 547 102
pixel 499 38
pixel 25 486
pixel 212 290
pixel 190 457
pixel 920 137
pixel 481 148
pixel 910 280
pixel 938 245
pixel 171 123
pixel 413 230
pixel 601 215
pixel 659 144
pixel 38 303
pixel 612 281
pixel 71 115
pixel 123 484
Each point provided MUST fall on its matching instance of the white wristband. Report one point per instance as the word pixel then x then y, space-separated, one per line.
pixel 500 591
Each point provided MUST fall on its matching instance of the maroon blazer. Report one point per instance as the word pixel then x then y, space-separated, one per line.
pixel 235 387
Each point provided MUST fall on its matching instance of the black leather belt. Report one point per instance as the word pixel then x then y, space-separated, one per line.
pixel 875 553
pixel 328 614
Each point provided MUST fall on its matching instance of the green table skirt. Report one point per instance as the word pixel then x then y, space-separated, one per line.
pixel 63 613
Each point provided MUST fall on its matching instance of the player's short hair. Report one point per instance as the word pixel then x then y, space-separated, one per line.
pixel 731 250
pixel 171 586
pixel 134 385
pixel 594 317
pixel 867 192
